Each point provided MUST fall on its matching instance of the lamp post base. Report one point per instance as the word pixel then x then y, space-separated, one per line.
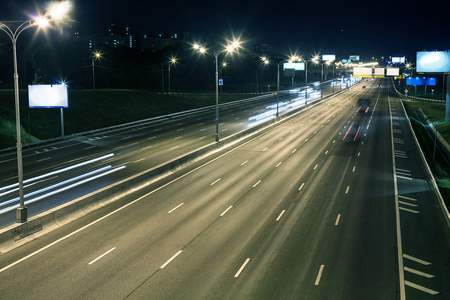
pixel 21 215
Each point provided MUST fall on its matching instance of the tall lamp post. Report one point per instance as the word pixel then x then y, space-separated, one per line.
pixel 230 48
pixel 172 61
pixel 96 55
pixel 266 61
pixel 55 13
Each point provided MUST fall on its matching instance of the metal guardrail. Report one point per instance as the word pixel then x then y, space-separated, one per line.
pixel 156 119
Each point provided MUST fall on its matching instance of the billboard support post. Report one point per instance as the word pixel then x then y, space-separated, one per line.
pixel 62 122
pixel 447 101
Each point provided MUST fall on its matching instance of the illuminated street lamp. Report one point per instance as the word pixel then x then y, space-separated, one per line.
pixel 96 55
pixel 230 48
pixel 56 12
pixel 266 61
pixel 172 61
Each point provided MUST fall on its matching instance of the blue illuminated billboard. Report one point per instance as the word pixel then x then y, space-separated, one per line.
pixel 433 62
pixel 420 81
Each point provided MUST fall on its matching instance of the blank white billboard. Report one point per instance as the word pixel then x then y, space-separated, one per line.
pixel 329 57
pixel 379 72
pixel 392 71
pixel 295 66
pixel 433 61
pixel 362 72
pixel 48 96
pixel 398 59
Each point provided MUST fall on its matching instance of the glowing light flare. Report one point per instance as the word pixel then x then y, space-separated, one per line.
pixel 57 11
pixel 41 21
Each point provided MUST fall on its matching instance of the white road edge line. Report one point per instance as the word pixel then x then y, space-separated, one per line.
pixel 401 272
pixel 242 268
pixel 170 259
pixel 110 250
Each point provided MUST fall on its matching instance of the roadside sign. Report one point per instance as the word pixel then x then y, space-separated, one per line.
pixel 220 81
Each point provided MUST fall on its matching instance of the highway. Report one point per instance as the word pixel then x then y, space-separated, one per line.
pixel 59 172
pixel 332 204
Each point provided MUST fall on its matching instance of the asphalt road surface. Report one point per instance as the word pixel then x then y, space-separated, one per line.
pixel 332 204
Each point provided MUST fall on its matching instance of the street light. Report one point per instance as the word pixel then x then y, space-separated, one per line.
pixel 230 48
pixel 173 60
pixel 56 12
pixel 96 55
pixel 266 61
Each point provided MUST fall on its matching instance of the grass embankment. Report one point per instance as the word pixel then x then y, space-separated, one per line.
pixel 438 164
pixel 93 109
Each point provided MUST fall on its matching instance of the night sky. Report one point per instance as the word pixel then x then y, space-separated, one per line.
pixel 371 28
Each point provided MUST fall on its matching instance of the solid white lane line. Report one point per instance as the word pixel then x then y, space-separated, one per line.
pixel 216 181
pixel 226 210
pixel 172 258
pixel 319 275
pixel 242 268
pixel 279 217
pixel 257 183
pixel 175 208
pixel 419 273
pixel 423 262
pixel 421 288
pixel 110 250
pixel 301 186
pixel 337 220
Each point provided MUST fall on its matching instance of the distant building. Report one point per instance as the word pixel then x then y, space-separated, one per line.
pixel 120 34
pixel 158 41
